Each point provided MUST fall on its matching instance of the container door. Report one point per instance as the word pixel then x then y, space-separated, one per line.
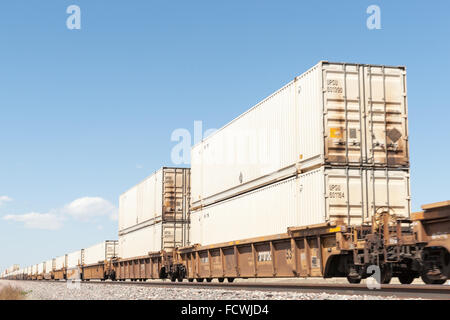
pixel 386 116
pixel 174 194
pixel 172 234
pixel 365 115
pixel 388 190
pixel 81 260
pixel 345 198
pixel 343 119
pixel 169 193
pixel 354 195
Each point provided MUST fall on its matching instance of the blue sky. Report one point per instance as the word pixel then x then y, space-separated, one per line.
pixel 86 114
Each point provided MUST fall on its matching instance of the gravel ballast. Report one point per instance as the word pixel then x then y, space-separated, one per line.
pixel 92 291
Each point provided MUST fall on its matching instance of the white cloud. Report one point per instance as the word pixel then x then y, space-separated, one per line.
pixel 139 166
pixel 87 208
pixel 35 220
pixel 83 209
pixel 4 199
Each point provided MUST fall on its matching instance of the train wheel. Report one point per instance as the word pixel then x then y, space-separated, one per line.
pixel 173 278
pixel 191 280
pixel 230 280
pixel 353 280
pixel 180 279
pixel 221 279
pixel 386 274
pixel 199 279
pixel 208 279
pixel 406 278
pixel 427 280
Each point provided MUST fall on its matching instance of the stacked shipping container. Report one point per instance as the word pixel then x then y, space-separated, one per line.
pixel 332 144
pixel 154 215
pixel 100 252
pixel 49 267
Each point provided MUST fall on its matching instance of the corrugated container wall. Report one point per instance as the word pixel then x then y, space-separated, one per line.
pixel 100 252
pixel 60 262
pixel 40 268
pixel 165 195
pixel 13 268
pixel 49 266
pixel 352 195
pixel 74 259
pixel 333 114
pixel 153 238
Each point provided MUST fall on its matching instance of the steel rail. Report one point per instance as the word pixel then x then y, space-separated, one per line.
pixel 398 290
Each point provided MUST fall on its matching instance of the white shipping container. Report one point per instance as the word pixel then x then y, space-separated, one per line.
pixel 162 196
pixel 49 266
pixel 74 259
pixel 40 268
pixel 335 113
pixel 13 268
pixel 317 196
pixel 153 238
pixel 100 252
pixel 60 262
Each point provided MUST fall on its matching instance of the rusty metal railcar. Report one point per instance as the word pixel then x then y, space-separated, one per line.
pixel 432 228
pixel 302 252
pixel 59 274
pixel 102 271
pixel 399 247
pixel 155 265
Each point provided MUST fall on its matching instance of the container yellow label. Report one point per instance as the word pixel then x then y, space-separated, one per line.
pixel 336 229
pixel 336 133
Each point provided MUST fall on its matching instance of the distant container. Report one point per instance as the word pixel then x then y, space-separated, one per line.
pixel 333 114
pixel 101 252
pixel 153 238
pixel 74 259
pixel 318 196
pixel 163 196
pixel 40 268
pixel 60 262
pixel 49 265
pixel 13 268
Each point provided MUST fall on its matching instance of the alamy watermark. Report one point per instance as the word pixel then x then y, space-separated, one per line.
pixel 74 20
pixel 374 20
pixel 180 153
pixel 241 147
pixel 374 281
pixel 73 279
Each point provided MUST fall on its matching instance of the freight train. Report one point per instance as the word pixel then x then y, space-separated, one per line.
pixel 314 180
pixel 403 248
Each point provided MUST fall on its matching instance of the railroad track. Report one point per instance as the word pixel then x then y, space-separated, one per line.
pixel 398 290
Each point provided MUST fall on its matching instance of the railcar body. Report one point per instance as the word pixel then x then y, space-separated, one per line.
pixel 399 247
